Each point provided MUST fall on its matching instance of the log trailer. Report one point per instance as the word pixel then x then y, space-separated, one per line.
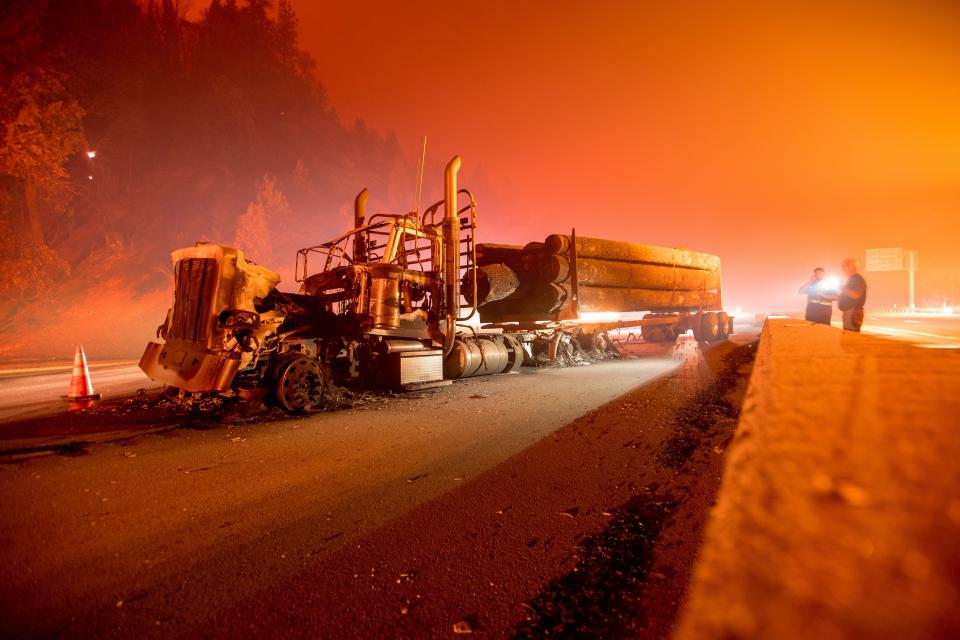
pixel 411 301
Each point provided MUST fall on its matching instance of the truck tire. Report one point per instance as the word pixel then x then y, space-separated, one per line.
pixel 298 384
pixel 709 326
pixel 696 322
pixel 724 325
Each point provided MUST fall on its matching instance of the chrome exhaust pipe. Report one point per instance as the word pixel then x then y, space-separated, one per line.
pixel 359 218
pixel 360 209
pixel 451 251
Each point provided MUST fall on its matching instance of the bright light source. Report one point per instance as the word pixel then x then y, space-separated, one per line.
pixel 91 154
pixel 89 177
pixel 829 284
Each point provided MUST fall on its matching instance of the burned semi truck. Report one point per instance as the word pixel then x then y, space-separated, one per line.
pixel 412 301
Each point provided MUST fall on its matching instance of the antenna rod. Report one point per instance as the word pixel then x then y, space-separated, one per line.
pixel 423 157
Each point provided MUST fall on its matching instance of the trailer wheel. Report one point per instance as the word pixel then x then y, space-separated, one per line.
pixel 723 321
pixel 299 385
pixel 696 325
pixel 709 326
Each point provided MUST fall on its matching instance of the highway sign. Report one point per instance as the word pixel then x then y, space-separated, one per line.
pixel 890 259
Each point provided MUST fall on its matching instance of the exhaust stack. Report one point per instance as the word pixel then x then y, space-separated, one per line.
pixel 451 252
pixel 359 218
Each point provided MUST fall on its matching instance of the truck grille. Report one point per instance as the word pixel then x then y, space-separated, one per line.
pixel 196 283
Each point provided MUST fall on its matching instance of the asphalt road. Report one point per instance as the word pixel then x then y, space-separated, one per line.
pixel 927 330
pixel 36 391
pixel 176 526
pixel 930 331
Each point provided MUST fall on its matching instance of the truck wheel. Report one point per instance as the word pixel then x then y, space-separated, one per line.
pixel 696 325
pixel 299 385
pixel 723 321
pixel 709 326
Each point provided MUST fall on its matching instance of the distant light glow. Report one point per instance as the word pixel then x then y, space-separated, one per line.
pixel 91 154
pixel 89 177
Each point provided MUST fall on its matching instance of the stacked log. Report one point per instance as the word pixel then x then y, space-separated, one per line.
pixel 529 300
pixel 494 282
pixel 507 254
pixel 611 276
pixel 632 252
pixel 608 273
pixel 617 299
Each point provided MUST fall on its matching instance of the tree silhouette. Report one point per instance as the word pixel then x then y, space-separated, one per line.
pixel 253 229
pixel 40 131
pixel 185 116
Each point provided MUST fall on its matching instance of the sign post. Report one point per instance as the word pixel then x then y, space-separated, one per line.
pixel 912 264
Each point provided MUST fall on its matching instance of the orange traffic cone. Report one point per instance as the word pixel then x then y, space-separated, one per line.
pixel 80 386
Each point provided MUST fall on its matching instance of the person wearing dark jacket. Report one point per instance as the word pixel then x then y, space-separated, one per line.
pixel 853 296
pixel 819 298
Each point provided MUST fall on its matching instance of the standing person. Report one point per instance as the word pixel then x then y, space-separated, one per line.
pixel 819 303
pixel 853 295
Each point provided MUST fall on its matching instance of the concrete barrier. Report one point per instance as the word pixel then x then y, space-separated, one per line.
pixel 839 512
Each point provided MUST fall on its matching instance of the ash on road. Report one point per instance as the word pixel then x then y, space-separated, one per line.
pixel 467 507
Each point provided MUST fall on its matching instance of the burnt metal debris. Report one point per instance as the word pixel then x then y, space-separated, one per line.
pixel 412 301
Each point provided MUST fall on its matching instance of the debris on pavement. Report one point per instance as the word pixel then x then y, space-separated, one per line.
pixel 464 626
pixel 598 596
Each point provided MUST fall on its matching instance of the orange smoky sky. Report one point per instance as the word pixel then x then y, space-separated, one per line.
pixel 780 136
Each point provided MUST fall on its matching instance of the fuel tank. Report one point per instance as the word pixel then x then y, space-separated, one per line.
pixel 483 355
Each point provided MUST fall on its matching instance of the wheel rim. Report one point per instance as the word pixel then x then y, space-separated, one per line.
pixel 300 385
